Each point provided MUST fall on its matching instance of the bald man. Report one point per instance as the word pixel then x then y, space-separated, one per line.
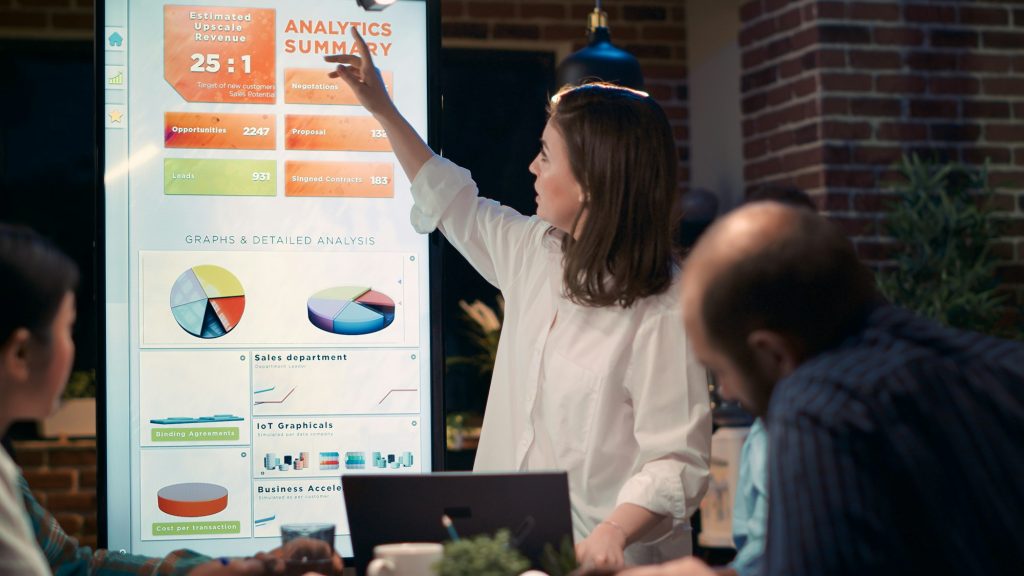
pixel 895 443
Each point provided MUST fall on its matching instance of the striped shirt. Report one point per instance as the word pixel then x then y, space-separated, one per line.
pixel 899 452
pixel 67 558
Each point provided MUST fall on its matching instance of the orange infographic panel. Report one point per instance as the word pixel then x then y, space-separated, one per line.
pixel 215 54
pixel 353 133
pixel 339 179
pixel 313 86
pixel 216 130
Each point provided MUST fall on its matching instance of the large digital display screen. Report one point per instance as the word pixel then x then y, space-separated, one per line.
pixel 266 302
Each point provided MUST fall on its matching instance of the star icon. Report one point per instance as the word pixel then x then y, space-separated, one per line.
pixel 116 116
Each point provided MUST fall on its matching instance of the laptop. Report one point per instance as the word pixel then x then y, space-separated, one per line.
pixel 382 509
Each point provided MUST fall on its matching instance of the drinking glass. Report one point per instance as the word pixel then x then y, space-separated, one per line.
pixel 307 548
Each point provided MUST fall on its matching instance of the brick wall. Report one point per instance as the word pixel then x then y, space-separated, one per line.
pixel 62 475
pixel 835 91
pixel 780 95
pixel 51 19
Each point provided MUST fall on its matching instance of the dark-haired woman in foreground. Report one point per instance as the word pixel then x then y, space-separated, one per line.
pixel 593 373
pixel 36 353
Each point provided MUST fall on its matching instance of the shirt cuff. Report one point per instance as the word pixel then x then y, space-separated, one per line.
pixel 437 183
pixel 748 560
pixel 659 488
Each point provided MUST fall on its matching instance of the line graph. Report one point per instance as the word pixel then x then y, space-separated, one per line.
pixel 395 390
pixel 357 382
pixel 281 401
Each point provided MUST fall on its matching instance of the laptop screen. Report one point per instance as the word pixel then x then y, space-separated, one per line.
pixel 384 509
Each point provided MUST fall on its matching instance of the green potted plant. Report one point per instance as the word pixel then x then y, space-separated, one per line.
pixel 482 556
pixel 497 556
pixel 945 270
pixel 463 430
pixel 76 415
pixel 484 331
pixel 560 561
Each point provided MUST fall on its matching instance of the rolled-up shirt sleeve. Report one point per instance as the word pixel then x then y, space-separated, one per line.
pixel 672 420
pixel 495 239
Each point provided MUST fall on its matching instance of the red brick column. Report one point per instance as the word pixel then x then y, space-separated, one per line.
pixel 835 91
pixel 780 96
pixel 62 475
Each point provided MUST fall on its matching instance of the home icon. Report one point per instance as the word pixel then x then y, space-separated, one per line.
pixel 115 40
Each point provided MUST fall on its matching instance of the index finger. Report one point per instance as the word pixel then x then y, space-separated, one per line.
pixel 364 51
pixel 342 58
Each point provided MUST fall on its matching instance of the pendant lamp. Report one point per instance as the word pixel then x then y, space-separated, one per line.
pixel 374 5
pixel 600 59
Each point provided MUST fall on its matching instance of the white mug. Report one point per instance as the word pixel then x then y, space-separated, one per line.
pixel 405 559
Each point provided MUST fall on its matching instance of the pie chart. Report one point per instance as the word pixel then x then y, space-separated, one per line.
pixel 351 310
pixel 207 301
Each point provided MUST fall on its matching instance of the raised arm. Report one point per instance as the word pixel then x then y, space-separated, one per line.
pixel 365 81
pixel 497 240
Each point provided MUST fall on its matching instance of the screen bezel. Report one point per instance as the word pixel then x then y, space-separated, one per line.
pixel 437 432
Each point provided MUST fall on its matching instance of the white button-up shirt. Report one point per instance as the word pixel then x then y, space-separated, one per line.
pixel 612 395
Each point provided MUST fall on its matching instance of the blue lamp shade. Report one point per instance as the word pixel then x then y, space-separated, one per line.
pixel 601 60
pixel 375 5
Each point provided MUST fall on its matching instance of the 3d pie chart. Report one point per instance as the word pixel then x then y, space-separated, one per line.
pixel 350 310
pixel 192 499
pixel 207 301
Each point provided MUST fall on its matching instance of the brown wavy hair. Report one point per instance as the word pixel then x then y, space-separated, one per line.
pixel 623 154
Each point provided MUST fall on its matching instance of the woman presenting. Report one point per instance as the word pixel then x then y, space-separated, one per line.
pixel 593 373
